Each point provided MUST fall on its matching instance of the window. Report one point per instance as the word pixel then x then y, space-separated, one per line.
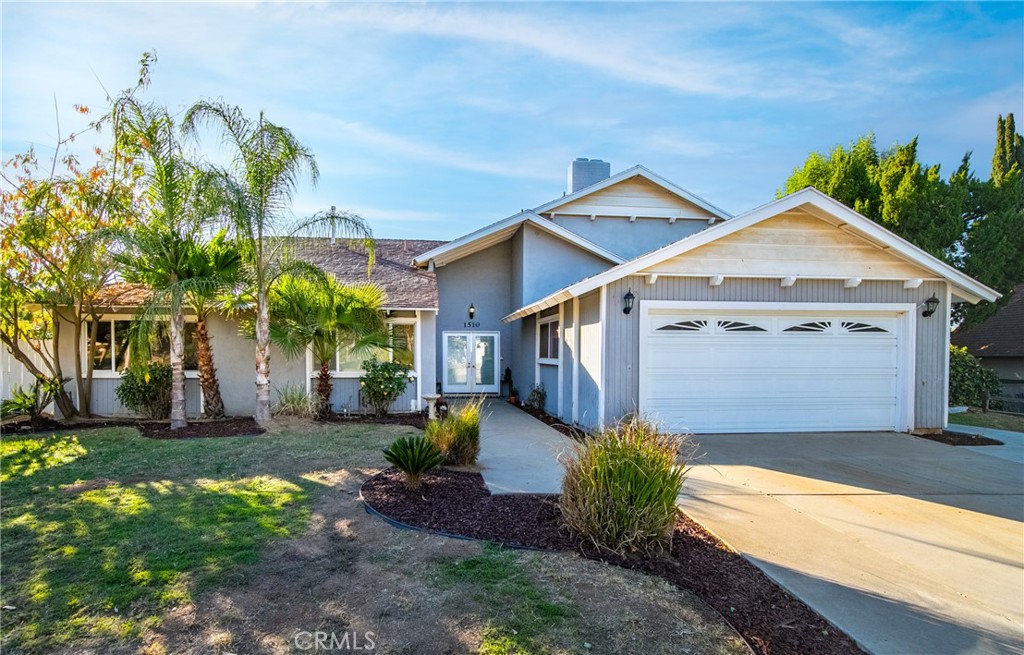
pixel 548 342
pixel 113 353
pixel 403 337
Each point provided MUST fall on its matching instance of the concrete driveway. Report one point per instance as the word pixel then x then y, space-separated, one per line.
pixel 909 545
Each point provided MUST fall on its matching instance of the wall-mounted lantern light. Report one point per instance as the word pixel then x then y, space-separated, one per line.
pixel 627 302
pixel 930 306
pixel 472 311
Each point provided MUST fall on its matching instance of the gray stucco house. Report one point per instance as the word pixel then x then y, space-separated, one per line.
pixel 629 293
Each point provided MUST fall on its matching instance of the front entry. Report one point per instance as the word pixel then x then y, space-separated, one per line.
pixel 470 362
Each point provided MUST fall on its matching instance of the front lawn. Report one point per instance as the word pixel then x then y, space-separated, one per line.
pixel 979 419
pixel 114 543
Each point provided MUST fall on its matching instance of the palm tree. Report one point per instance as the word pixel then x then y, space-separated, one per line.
pixel 326 317
pixel 179 201
pixel 268 161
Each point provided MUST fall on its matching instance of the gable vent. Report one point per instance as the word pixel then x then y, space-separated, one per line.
pixel 585 172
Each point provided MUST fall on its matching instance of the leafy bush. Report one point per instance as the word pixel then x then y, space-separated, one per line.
pixel 292 400
pixel 458 435
pixel 146 390
pixel 969 381
pixel 414 456
pixel 30 401
pixel 620 487
pixel 538 397
pixel 383 383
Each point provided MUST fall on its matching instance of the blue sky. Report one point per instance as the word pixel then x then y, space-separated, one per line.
pixel 433 120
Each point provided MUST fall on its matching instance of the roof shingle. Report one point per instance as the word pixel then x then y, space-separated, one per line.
pixel 1002 335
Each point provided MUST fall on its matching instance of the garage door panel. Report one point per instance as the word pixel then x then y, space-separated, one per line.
pixel 841 374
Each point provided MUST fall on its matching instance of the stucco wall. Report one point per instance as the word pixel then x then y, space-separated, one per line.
pixel 622 331
pixel 483 279
pixel 629 240
pixel 550 263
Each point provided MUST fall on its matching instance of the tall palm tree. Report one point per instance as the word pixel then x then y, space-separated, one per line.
pixel 179 202
pixel 268 161
pixel 326 316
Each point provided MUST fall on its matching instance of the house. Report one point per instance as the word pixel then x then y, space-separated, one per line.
pixel 629 293
pixel 999 343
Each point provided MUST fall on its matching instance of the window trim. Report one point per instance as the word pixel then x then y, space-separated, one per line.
pixel 550 361
pixel 112 373
pixel 358 373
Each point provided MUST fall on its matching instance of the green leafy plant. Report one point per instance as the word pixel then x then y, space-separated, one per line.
pixel 458 435
pixel 414 456
pixel 146 390
pixel 30 401
pixel 620 487
pixel 538 397
pixel 292 400
pixel 383 383
pixel 969 381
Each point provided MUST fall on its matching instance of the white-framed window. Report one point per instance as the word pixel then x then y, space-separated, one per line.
pixel 403 333
pixel 547 339
pixel 112 353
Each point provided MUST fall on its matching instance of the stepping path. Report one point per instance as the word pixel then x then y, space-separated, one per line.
pixel 518 453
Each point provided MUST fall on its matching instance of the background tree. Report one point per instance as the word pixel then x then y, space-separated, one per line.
pixel 53 274
pixel 326 317
pixel 268 162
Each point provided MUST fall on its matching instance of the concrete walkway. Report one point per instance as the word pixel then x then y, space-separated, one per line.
pixel 1013 442
pixel 518 453
pixel 908 545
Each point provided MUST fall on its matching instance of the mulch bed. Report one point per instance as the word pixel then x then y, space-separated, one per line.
pixel 47 424
pixel 770 619
pixel 412 419
pixel 957 439
pixel 232 427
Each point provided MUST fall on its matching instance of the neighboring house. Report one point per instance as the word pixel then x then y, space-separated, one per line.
pixel 999 343
pixel 629 293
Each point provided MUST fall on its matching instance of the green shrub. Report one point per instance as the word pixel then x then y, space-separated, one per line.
pixel 146 390
pixel 414 456
pixel 458 435
pixel 292 400
pixel 620 487
pixel 29 401
pixel 538 397
pixel 383 383
pixel 969 381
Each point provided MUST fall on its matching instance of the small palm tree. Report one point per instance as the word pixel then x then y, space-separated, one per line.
pixel 325 317
pixel 268 161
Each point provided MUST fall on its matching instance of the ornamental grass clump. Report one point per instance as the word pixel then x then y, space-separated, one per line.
pixel 620 487
pixel 458 434
pixel 413 456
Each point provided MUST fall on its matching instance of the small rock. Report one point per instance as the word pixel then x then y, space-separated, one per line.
pixel 587 645
pixel 8 608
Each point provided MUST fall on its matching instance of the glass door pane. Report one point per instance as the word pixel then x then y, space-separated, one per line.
pixel 456 362
pixel 484 358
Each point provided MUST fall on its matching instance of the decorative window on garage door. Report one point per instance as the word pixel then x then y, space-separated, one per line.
pixel 810 326
pixel 859 328
pixel 692 325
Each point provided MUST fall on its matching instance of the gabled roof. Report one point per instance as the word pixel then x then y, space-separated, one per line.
pixel 503 230
pixel 636 171
pixel 1001 335
pixel 809 199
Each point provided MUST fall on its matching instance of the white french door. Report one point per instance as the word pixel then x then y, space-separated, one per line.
pixel 471 362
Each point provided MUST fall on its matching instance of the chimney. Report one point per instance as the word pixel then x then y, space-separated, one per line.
pixel 584 172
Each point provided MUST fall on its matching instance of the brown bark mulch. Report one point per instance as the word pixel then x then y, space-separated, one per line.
pixel 957 439
pixel 457 503
pixel 48 424
pixel 412 419
pixel 231 427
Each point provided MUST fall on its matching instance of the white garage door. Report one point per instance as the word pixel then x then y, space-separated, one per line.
pixel 771 372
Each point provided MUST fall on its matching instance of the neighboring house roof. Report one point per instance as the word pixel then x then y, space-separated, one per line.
pixel 122 294
pixel 636 171
pixel 1002 335
pixel 809 199
pixel 407 287
pixel 503 230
